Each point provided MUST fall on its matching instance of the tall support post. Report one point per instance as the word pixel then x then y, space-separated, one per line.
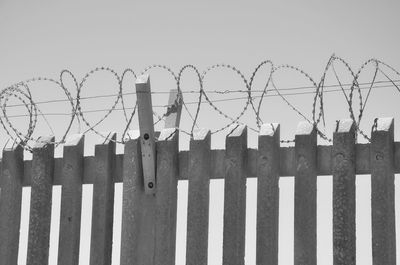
pixel 382 192
pixel 149 217
pixel 138 208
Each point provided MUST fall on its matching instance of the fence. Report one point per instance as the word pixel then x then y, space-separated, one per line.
pixel 150 208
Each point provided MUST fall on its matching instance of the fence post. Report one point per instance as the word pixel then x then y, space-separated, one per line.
pixel 305 195
pixel 41 196
pixel 268 194
pixel 235 197
pixel 12 172
pixel 149 219
pixel 71 201
pixel 138 208
pixel 344 193
pixel 198 197
pixel 382 192
pixel 103 202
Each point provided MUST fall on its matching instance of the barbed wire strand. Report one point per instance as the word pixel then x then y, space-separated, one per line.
pixel 21 92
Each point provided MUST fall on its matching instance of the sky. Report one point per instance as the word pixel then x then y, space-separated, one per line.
pixel 40 39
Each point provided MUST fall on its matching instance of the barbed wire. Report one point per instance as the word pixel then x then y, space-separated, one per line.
pixel 21 92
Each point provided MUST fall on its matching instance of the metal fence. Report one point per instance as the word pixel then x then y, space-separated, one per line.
pixel 149 212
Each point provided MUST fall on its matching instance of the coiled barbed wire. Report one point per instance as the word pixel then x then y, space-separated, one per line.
pixel 21 91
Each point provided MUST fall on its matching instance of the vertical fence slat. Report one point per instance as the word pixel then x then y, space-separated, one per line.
pixel 198 198
pixel 344 193
pixel 71 201
pixel 10 202
pixel 41 196
pixel 382 193
pixel 138 209
pixel 305 195
pixel 235 197
pixel 166 196
pixel 103 202
pixel 268 195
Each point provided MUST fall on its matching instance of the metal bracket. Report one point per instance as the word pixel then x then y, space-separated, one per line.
pixel 146 127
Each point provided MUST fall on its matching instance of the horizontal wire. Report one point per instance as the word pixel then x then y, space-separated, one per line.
pixel 203 102
pixel 216 92
pixel 21 91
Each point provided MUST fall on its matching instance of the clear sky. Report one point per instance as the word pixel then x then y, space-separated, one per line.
pixel 43 38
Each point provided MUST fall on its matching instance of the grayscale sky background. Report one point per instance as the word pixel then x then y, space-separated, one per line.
pixel 43 38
